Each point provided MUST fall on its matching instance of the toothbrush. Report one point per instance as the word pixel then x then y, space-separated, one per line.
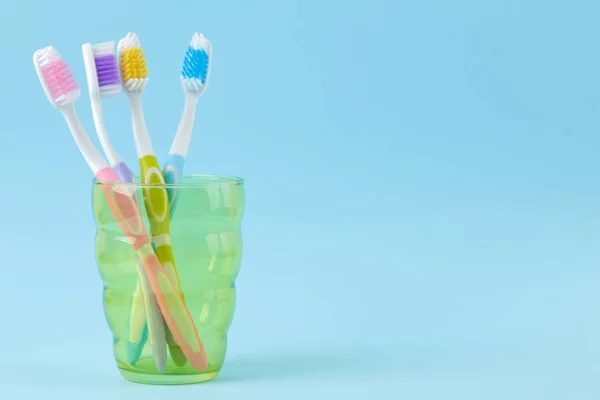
pixel 134 77
pixel 194 78
pixel 103 81
pixel 62 92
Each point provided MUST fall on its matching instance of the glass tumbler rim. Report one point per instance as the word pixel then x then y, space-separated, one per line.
pixel 189 181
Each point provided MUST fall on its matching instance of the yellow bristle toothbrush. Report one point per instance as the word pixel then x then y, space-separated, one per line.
pixel 134 77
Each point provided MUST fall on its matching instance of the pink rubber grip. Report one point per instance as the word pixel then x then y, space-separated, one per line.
pixel 128 216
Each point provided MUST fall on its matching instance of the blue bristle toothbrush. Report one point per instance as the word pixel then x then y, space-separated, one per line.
pixel 194 78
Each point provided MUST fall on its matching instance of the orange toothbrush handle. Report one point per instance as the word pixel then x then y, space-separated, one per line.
pixel 170 301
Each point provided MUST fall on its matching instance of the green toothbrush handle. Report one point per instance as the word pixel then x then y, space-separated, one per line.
pixel 158 207
pixel 156 200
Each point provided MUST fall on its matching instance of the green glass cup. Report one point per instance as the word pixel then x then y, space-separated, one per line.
pixel 207 248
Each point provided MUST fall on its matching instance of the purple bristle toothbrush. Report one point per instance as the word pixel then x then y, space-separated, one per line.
pixel 103 81
pixel 145 319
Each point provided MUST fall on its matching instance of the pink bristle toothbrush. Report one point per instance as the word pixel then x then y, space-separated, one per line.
pixel 62 92
pixel 103 81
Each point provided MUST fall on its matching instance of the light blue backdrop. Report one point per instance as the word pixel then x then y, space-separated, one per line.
pixel 423 207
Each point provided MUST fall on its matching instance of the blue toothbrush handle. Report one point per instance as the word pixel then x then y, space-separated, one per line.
pixel 173 171
pixel 137 329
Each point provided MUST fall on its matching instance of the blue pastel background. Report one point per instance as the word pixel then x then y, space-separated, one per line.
pixel 423 206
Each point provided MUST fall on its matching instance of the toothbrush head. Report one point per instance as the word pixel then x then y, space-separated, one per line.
pixel 196 65
pixel 56 77
pixel 107 70
pixel 132 63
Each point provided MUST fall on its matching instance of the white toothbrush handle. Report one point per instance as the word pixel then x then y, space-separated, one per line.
pixel 109 150
pixel 89 152
pixel 183 136
pixel 156 324
pixel 143 145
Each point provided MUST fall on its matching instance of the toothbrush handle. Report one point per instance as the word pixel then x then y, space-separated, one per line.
pixel 157 208
pixel 144 304
pixel 109 150
pixel 143 144
pixel 137 334
pixel 156 199
pixel 125 209
pixel 168 296
pixel 173 168
pixel 125 174
pixel 155 324
pixel 183 136
pixel 173 308
pixel 144 318
pixel 173 171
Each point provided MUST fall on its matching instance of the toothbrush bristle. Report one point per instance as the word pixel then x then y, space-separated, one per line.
pixel 196 64
pixel 107 69
pixel 132 63
pixel 56 77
